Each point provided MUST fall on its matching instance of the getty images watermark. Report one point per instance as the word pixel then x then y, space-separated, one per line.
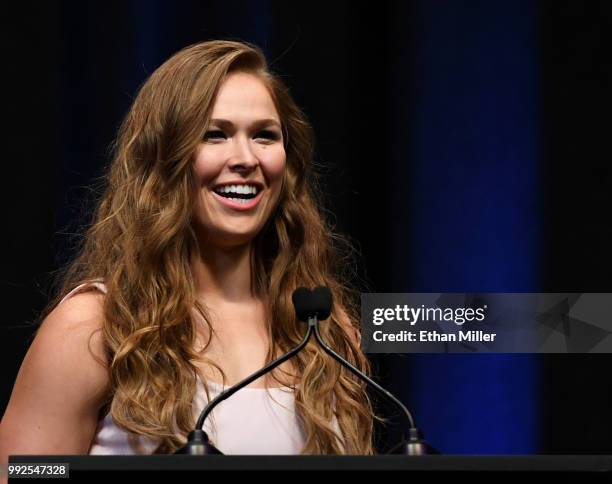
pixel 486 322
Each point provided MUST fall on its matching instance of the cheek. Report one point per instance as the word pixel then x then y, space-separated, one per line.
pixel 274 166
pixel 206 166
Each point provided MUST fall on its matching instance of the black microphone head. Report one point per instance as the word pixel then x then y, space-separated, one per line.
pixel 322 302
pixel 302 302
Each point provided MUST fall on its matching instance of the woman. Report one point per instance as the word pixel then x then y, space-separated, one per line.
pixel 207 224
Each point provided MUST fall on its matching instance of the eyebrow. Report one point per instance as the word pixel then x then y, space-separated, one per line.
pixel 256 124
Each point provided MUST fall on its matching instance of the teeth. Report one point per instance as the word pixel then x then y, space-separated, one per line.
pixel 240 200
pixel 244 189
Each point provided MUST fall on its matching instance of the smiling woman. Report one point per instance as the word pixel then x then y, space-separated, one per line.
pixel 183 284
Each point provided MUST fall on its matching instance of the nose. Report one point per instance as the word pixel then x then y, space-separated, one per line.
pixel 243 159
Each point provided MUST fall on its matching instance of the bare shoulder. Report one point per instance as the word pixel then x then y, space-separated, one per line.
pixel 73 330
pixel 62 382
pixel 82 310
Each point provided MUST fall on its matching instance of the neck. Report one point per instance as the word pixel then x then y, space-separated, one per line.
pixel 223 274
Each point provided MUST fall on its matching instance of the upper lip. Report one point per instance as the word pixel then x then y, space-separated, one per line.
pixel 259 185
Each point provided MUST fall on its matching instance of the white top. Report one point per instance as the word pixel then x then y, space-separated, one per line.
pixel 252 421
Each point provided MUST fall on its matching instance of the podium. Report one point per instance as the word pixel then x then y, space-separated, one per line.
pixel 85 468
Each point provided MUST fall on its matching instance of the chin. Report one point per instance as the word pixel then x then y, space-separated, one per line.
pixel 233 238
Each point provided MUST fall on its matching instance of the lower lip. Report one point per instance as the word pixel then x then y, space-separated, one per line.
pixel 240 207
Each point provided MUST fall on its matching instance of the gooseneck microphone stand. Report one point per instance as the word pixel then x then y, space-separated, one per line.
pixel 310 306
pixel 411 445
pixel 414 444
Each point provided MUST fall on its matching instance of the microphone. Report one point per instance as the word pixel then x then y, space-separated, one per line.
pixel 320 303
pixel 310 306
pixel 198 442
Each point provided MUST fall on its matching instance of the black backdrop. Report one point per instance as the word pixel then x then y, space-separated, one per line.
pixel 73 68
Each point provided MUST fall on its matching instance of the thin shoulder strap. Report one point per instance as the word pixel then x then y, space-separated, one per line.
pixel 97 284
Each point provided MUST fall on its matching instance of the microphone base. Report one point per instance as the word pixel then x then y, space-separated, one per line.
pixel 198 444
pixel 414 445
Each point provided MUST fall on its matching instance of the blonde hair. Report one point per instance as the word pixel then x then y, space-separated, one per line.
pixel 141 243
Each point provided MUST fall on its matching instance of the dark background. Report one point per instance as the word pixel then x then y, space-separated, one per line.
pixel 464 147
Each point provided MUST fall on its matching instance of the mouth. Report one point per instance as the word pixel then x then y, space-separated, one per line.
pixel 239 196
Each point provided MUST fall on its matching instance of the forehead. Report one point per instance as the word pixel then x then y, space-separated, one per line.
pixel 243 95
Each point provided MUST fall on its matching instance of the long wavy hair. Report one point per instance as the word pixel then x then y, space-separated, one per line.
pixel 141 241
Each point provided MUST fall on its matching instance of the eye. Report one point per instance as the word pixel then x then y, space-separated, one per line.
pixel 268 134
pixel 214 134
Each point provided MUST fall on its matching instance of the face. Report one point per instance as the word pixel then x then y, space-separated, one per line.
pixel 239 164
